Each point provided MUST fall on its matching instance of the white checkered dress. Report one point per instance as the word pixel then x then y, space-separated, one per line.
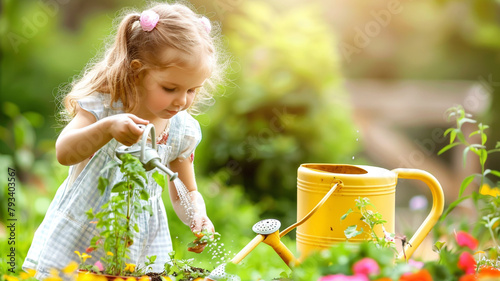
pixel 66 229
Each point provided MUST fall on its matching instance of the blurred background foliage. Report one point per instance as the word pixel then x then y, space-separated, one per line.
pixel 285 103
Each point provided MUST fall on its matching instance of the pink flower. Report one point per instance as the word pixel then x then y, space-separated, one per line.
pixel 148 20
pixel 206 24
pixel 465 239
pixel 416 264
pixel 366 266
pixel 467 263
pixel 342 277
pixel 99 265
pixel 389 237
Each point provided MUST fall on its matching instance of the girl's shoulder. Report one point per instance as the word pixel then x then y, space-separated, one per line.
pixel 184 135
pixel 185 124
pixel 100 105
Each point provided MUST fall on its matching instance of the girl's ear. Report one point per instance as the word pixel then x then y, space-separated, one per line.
pixel 137 68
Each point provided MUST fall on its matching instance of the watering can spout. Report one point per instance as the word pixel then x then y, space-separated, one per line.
pixel 148 156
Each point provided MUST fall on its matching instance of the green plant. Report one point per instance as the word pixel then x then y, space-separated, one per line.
pixel 183 269
pixel 486 199
pixel 457 137
pixel 371 219
pixel 115 218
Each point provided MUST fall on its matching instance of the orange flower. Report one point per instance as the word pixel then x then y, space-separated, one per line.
pixel 489 271
pixel 422 275
pixel 468 277
pixel 384 279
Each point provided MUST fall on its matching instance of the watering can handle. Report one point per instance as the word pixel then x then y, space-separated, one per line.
pixel 148 129
pixel 436 211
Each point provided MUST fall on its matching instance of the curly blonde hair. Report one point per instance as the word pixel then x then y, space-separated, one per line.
pixel 179 28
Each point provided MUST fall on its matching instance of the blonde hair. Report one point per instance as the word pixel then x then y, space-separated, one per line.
pixel 178 28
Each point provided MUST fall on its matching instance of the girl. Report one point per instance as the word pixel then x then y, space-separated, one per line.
pixel 162 64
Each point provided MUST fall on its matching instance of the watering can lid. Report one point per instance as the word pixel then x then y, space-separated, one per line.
pixel 349 174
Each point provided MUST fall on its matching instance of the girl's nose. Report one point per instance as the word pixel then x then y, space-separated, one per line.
pixel 181 99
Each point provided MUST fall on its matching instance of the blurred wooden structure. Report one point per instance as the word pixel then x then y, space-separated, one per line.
pixel 387 113
pixel 401 125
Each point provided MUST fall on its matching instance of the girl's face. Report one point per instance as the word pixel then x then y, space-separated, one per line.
pixel 166 92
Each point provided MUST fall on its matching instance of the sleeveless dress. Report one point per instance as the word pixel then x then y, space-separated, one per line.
pixel 66 229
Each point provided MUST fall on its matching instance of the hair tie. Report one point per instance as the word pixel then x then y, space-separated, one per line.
pixel 206 24
pixel 148 20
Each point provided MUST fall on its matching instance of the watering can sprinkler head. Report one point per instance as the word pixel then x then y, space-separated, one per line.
pixel 147 155
pixel 219 273
pixel 266 227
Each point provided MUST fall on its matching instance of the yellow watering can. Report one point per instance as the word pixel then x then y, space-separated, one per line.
pixel 328 191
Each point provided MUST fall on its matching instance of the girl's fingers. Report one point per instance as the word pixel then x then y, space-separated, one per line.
pixel 138 120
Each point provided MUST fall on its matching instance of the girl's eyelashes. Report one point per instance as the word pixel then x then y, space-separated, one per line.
pixel 170 90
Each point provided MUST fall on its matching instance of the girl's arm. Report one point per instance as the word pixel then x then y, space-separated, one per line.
pixel 199 221
pixel 83 136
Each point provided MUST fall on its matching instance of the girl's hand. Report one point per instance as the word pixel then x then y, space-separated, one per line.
pixel 204 231
pixel 123 128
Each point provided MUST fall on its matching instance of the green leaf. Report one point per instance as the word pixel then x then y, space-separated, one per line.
pixel 144 194
pixel 466 183
pixel 465 120
pixel 492 222
pixel 136 228
pixel 103 183
pixel 464 155
pixel 453 135
pixel 119 187
pixel 438 246
pixel 90 214
pixel 346 214
pixel 483 156
pixel 448 147
pixel 461 137
pixel 496 173
pixel 149 209
pixel 159 179
pixel 474 133
pixel 351 231
pixel 138 181
pixel 452 206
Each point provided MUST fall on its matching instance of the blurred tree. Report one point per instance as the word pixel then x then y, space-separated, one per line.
pixel 287 107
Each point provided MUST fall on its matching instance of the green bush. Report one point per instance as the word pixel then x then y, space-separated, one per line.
pixel 287 107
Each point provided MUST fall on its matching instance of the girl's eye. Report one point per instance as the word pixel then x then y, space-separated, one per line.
pixel 170 90
pixel 191 91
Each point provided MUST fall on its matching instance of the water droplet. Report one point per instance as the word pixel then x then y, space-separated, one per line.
pixel 353 158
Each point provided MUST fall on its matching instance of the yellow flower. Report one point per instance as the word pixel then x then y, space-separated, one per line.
pixel 10 278
pixel 144 278
pixel 130 267
pixel 487 190
pixel 109 254
pixel 72 267
pixel 131 279
pixel 54 276
pixel 83 256
pixel 26 275
pixel 31 272
pixel 119 279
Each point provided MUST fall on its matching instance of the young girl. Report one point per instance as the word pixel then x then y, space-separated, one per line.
pixel 161 65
